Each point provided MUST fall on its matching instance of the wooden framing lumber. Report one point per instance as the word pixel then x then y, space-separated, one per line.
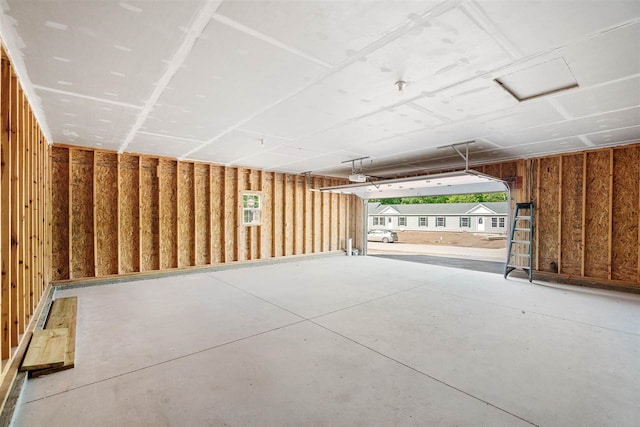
pixel 46 350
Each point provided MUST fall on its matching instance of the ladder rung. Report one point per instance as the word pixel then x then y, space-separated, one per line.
pixel 522 229
pixel 524 267
pixel 524 217
pixel 524 242
pixel 521 255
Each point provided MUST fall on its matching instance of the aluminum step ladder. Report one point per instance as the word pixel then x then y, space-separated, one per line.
pixel 520 249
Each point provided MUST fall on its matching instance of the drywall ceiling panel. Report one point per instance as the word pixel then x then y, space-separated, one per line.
pixel 448 50
pixel 102 49
pixel 467 100
pixel 569 128
pixel 328 30
pixel 613 96
pixel 234 146
pixel 560 21
pixel 160 145
pixel 524 115
pixel 319 163
pixel 402 119
pixel 550 147
pixel 611 56
pixel 630 134
pixel 227 77
pixel 80 121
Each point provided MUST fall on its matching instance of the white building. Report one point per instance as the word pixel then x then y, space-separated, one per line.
pixel 489 217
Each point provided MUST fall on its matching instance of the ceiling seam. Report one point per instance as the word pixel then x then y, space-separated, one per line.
pixel 270 40
pixel 178 138
pixel 89 97
pixel 194 30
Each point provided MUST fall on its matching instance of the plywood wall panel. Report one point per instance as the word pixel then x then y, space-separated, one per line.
pixel 597 214
pixel 267 216
pixel 308 217
pixel 149 215
pixel 129 215
pixel 106 177
pixel 547 214
pixel 624 260
pixel 255 242
pixel 571 218
pixel 167 174
pixel 289 212
pixel 335 244
pixel 60 213
pixel 202 214
pixel 186 215
pixel 278 214
pixel 217 213
pixel 298 214
pixel 82 261
pixel 230 214
pixel 243 234
pixel 317 216
pixel 325 218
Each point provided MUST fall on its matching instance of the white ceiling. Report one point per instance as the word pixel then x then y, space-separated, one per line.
pixel 302 86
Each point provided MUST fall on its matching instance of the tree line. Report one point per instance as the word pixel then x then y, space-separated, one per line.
pixel 457 198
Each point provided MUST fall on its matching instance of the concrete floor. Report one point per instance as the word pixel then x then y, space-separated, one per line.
pixel 347 341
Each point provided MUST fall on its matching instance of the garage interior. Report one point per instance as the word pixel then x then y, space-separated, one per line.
pixel 184 169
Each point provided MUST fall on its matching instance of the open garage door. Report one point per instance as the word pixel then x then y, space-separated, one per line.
pixel 450 183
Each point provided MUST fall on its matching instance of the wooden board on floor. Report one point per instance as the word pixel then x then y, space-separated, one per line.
pixel 63 315
pixel 46 350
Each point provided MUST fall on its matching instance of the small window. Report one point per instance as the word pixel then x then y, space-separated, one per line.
pixel 441 221
pixel 376 220
pixel 402 220
pixel 465 221
pixel 389 220
pixel 422 221
pixel 494 222
pixel 251 209
pixel 501 223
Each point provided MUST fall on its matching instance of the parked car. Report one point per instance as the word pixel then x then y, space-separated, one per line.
pixel 384 236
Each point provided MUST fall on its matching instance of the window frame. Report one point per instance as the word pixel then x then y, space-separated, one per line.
pixel 426 221
pixel 468 222
pixel 443 219
pixel 402 221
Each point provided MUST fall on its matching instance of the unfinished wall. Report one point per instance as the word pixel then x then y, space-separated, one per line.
pixel 163 214
pixel 25 221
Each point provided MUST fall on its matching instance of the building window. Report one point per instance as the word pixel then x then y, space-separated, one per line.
pixel 402 220
pixel 501 223
pixel 422 221
pixel 465 221
pixel 377 221
pixel 251 209
pixel 389 220
pixel 497 222
pixel 441 221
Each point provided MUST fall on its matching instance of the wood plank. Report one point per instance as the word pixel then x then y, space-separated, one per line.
pixel 118 213
pixel 95 215
pixel 537 215
pixel 560 161
pixel 46 350
pixel 70 216
pixel 15 211
pixel 6 207
pixel 210 230
pixel 610 251
pixel 584 211
pixel 63 314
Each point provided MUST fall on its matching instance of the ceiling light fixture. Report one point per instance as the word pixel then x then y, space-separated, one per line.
pixel 261 142
pixel 400 84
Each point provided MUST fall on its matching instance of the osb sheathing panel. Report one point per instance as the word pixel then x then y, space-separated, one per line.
pixel 202 214
pixel 186 215
pixel 267 216
pixel 299 214
pixel 230 214
pixel 343 221
pixel 217 213
pixel 289 243
pixel 278 214
pixel 255 241
pixel 149 220
pixel 335 244
pixel 624 260
pixel 547 214
pixel 243 232
pixel 326 218
pixel 168 213
pixel 597 215
pixel 106 177
pixel 82 261
pixel 308 219
pixel 571 223
pixel 317 216
pixel 129 214
pixel 60 213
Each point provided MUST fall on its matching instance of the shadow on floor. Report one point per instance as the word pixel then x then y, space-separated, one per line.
pixel 467 264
